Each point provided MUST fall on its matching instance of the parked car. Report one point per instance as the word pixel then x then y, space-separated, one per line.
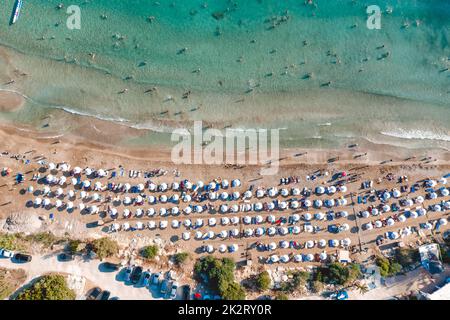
pixel 94 294
pixel 65 257
pixel 6 253
pixel 136 275
pixel 146 278
pixel 165 287
pixel 186 289
pixel 128 272
pixel 173 290
pixel 21 257
pixel 104 295
pixel 111 266
pixel 155 278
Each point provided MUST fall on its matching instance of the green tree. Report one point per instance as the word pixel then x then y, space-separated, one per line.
pixel 317 287
pixel 104 247
pixel 384 266
pixel 406 257
pixel 263 281
pixel 181 258
pixel 233 291
pixel 75 246
pixel 150 252
pixel 281 296
pixel 49 287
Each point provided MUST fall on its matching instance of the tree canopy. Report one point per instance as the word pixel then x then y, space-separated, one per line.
pixel 219 274
pixel 49 287
pixel 105 247
pixel 150 252
pixel 263 281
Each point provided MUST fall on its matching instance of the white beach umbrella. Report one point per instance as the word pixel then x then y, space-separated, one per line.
pixel 58 203
pixel 390 222
pixel 309 244
pixel 283 231
pixel 248 194
pixel 151 225
pixel 236 183
pixel 375 212
pixel 396 193
pixel 46 202
pixel 272 246
pixel 270 206
pixel 234 208
pixel 323 256
pixel 175 211
pixel 223 234
pixel 198 209
pixel 421 211
pixel 126 213
pixel 248 232
pixel 307 203
pixel 163 224
pixel 295 191
pixel 209 248
pixel 295 217
pixel 273 192
pixel 318 203
pixel 401 218
pixel 322 243
pixel 443 221
pixel 163 198
pixel 319 216
pixel 413 215
pixel 260 193
pixel 309 257
pixel 81 206
pixel 187 210
pixel 365 214
pixel 308 228
pixel 212 222
pixel 368 226
pixel 222 248
pixel 420 199
pixel 320 190
pixel 345 227
pixel 71 194
pixel 186 236
pixel 283 205
pixel 101 173
pixel 62 180
pixel 247 220
pixel 331 190
pixel 74 181
pixel 284 258
pixel 307 216
pixel 69 205
pixel 271 231
pixel 430 183
pixel 271 218
pixel 393 235
pixel 225 221
pixel 86 183
pixel 378 224
pixel 139 213
pixel 126 226
pixel 236 195
pixel 345 242
pixel 212 195
pixel 334 243
pixel 127 200
pixel 225 183
pixel 152 186
pixel 199 222
pixel 223 208
pixel 224 195
pixel 284 244
pixel 139 225
pixel 427 226
pixel 77 170
pixel 46 190
pixel 386 208
pixel 284 192
pixel 433 195
pixel 444 192
pixel 30 189
pixel 295 204
pixel 163 187
pixel 298 258
pixel 259 219
pixel 175 224
pixel 343 189
pixel 175 197
pixel 258 206
pixel 343 214
pixel 259 231
pixel 95 196
pixel 188 185
pixel 150 212
pixel 386 195
pixel 187 198
pixel 274 258
pixel 234 220
pixel 437 207
pixel 234 232
pixel 88 171
pixel 163 212
pixel 296 230
pixel 51 166
pixel 50 178
pixel 447 205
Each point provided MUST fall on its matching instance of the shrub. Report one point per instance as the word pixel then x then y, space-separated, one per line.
pixel 406 257
pixel 47 239
pixel 75 246
pixel 338 274
pixel 219 274
pixel 263 281
pixel 49 287
pixel 181 258
pixel 387 267
pixel 233 291
pixel 10 280
pixel 150 252
pixel 105 247
pixel 281 296
pixel 317 286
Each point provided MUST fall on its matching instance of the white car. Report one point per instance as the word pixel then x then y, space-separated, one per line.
pixel 6 253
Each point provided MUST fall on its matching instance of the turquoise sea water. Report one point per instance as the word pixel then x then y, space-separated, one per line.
pixel 257 50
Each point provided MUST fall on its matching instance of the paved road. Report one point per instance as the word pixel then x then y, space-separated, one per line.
pixel 88 269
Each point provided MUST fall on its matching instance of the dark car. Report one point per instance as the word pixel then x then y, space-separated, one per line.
pixel 136 275
pixel 111 266
pixel 94 294
pixel 65 257
pixel 186 292
pixel 104 295
pixel 21 257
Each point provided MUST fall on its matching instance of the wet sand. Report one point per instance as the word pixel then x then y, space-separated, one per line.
pixel 10 101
